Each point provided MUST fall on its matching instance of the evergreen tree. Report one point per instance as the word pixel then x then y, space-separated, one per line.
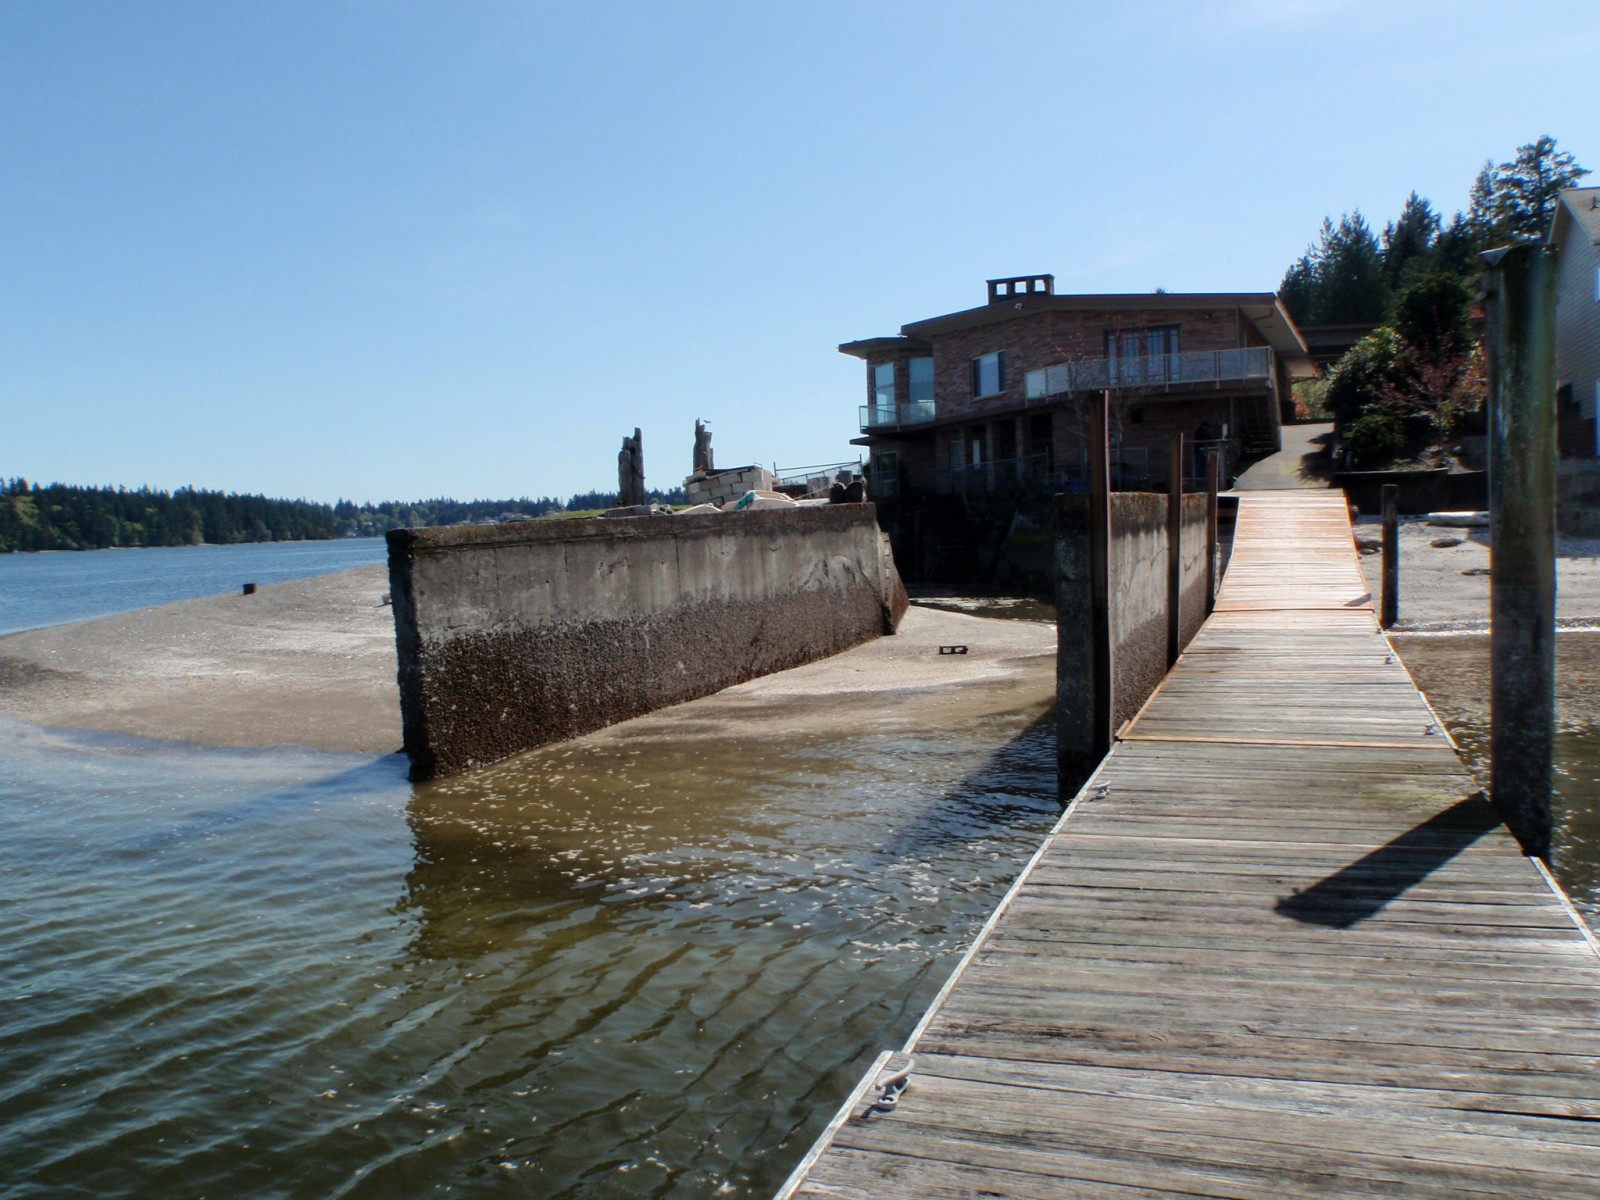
pixel 1298 290
pixel 1517 200
pixel 1349 273
pixel 1408 241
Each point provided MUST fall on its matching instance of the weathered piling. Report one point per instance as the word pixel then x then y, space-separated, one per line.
pixel 1519 292
pixel 1390 606
pixel 1083 615
pixel 1175 550
pixel 1213 482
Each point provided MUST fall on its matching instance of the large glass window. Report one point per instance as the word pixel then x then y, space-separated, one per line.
pixel 883 394
pixel 1142 355
pixel 921 382
pixel 989 374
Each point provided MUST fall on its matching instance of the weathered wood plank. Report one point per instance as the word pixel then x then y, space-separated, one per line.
pixel 1280 946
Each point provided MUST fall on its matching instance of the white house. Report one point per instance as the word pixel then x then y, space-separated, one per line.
pixel 1576 234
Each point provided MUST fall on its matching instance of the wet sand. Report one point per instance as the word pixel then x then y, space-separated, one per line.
pixel 312 663
pixel 1446 588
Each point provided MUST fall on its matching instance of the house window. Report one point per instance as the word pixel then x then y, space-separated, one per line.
pixel 886 472
pixel 921 371
pixel 883 392
pixel 989 374
pixel 1142 355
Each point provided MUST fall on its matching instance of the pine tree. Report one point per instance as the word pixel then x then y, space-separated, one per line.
pixel 1517 200
pixel 1408 240
pixel 1349 268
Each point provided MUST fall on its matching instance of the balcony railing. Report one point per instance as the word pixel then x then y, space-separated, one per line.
pixel 892 416
pixel 1157 370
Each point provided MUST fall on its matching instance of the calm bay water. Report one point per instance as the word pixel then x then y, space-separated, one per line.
pixel 49 589
pixel 626 968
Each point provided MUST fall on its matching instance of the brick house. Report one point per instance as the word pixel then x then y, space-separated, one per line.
pixel 1576 234
pixel 990 398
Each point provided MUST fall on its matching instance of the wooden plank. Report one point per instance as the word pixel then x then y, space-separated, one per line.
pixel 1278 946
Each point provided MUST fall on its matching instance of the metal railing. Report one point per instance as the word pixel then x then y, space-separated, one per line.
pixel 818 477
pixel 892 416
pixel 1130 468
pixel 1155 370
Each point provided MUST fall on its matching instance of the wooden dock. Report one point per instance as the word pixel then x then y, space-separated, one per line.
pixel 1279 946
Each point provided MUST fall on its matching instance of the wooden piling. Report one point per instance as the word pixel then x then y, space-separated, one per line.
pixel 1213 480
pixel 1083 617
pixel 1390 607
pixel 1519 291
pixel 1100 568
pixel 1174 549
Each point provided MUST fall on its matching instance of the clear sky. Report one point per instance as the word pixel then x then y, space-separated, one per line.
pixel 388 250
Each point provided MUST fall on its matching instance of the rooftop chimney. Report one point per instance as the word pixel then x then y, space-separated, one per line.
pixel 1001 290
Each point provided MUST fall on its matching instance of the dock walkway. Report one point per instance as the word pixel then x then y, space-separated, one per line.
pixel 1279 946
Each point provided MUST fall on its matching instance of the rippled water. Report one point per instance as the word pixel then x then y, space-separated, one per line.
pixel 1453 670
pixel 623 967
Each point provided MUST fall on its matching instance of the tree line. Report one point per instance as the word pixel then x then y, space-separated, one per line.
pixel 60 516
pixel 1417 378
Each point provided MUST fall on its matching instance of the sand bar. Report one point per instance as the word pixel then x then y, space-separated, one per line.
pixel 312 663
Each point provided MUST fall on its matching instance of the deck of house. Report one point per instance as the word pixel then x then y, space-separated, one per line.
pixel 1279 946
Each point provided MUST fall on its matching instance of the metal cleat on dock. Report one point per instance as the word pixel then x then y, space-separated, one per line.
pixel 891 1082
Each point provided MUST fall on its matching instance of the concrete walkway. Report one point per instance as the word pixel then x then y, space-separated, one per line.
pixel 1302 463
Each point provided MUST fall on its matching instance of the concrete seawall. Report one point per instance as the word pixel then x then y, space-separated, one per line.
pixel 513 636
pixel 1136 614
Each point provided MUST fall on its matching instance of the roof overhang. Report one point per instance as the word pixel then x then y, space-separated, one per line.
pixel 1261 309
pixel 1578 207
pixel 1275 324
pixel 879 346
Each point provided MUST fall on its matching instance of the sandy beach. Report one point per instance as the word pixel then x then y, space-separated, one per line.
pixel 312 663
pixel 1445 588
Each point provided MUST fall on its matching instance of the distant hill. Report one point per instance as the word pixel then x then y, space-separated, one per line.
pixel 61 516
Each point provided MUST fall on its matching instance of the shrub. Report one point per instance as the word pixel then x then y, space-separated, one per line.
pixel 1375 439
pixel 1373 366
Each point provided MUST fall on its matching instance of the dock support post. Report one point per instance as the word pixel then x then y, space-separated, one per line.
pixel 1213 480
pixel 1389 608
pixel 1175 550
pixel 1083 615
pixel 1519 290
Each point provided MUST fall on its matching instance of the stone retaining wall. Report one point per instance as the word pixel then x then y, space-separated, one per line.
pixel 513 636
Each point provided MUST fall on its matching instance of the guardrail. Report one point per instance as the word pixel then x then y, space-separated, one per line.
pixel 1156 370
pixel 892 416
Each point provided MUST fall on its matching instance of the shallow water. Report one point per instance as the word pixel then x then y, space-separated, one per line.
pixel 610 968
pixel 1453 671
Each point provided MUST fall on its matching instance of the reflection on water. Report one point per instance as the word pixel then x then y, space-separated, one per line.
pixel 1453 671
pixel 611 968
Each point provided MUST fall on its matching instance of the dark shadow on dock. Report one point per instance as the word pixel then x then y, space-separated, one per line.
pixel 1362 890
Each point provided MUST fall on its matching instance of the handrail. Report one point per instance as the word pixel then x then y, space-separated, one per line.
pixel 889 416
pixel 1153 370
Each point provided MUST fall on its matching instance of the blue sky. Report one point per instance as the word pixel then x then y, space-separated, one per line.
pixel 388 250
